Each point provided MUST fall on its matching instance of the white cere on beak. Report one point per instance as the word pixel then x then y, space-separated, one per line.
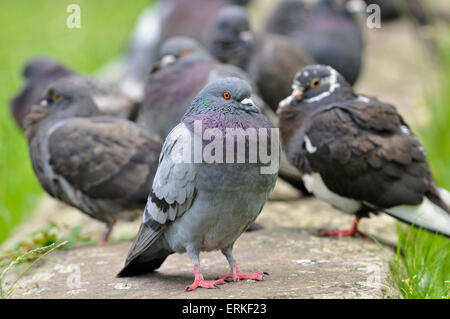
pixel 44 102
pixel 248 102
pixel 168 60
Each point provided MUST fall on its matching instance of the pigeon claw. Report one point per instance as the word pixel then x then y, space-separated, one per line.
pixel 244 276
pixel 209 284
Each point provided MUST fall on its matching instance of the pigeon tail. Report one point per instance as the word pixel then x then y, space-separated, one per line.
pixel 137 267
pixel 428 215
pixel 444 195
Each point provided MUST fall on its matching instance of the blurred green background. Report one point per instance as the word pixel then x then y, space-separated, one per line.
pixel 38 27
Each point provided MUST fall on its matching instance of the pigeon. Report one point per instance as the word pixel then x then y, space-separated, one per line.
pixel 102 165
pixel 331 34
pixel 184 69
pixel 191 18
pixel 41 72
pixel 289 16
pixel 270 60
pixel 393 9
pixel 205 205
pixel 156 24
pixel 358 154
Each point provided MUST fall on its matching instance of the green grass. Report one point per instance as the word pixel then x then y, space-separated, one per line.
pixel 38 27
pixel 423 270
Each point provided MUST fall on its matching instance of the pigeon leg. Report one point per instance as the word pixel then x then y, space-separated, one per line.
pixel 199 281
pixel 235 273
pixel 352 231
pixel 107 232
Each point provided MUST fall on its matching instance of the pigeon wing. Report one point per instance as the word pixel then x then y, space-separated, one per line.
pixel 104 157
pixel 365 151
pixel 172 194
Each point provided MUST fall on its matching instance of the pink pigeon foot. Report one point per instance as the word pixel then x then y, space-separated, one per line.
pixel 352 231
pixel 199 282
pixel 238 275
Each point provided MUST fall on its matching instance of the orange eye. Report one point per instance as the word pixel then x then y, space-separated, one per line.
pixel 226 95
pixel 57 98
pixel 314 83
pixel 185 52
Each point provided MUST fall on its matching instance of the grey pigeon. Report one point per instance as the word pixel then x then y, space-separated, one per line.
pixel 204 205
pixel 331 34
pixel 41 72
pixel 271 60
pixel 184 69
pixel 102 165
pixel 358 154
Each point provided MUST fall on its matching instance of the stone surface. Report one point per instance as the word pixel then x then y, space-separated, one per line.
pixel 300 264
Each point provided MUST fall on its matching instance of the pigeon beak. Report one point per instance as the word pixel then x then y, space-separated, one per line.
pixel 246 36
pixel 250 105
pixel 43 103
pixel 297 93
pixel 168 60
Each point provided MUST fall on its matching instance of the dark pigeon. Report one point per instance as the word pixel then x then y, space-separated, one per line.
pixel 102 165
pixel 358 154
pixel 159 22
pixel 271 60
pixel 185 68
pixel 40 73
pixel 288 16
pixel 196 207
pixel 331 34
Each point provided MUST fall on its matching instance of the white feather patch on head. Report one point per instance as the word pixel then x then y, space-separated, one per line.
pixel 286 102
pixel 332 80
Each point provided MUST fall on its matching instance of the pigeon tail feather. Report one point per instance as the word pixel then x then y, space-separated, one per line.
pixel 136 267
pixel 427 215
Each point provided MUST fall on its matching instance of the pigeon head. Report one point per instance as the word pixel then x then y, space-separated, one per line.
pixel 231 40
pixel 63 99
pixel 317 83
pixel 43 67
pixel 180 48
pixel 68 98
pixel 38 74
pixel 226 95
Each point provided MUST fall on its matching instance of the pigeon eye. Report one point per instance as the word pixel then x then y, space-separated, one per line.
pixel 57 98
pixel 226 95
pixel 185 52
pixel 314 83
